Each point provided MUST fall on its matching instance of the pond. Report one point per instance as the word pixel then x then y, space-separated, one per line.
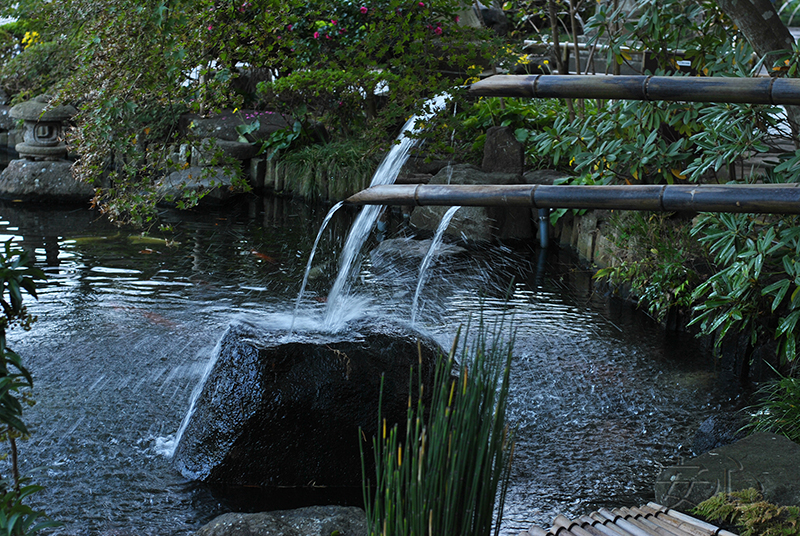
pixel 601 398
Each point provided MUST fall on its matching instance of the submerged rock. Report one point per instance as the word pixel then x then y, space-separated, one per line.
pixel 310 521
pixel 718 431
pixel 288 413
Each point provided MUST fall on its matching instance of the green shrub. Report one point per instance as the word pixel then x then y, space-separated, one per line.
pixel 39 68
pixel 657 258
pixel 16 275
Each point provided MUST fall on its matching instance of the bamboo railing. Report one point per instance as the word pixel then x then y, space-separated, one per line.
pixel 765 198
pixel 776 199
pixel 762 90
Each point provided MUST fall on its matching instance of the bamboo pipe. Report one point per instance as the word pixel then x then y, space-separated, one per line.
pixel 763 198
pixel 762 90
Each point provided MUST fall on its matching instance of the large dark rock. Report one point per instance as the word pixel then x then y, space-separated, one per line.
pixel 310 521
pixel 215 182
pixel 223 125
pixel 502 152
pixel 288 413
pixel 43 181
pixel 766 462
pixel 477 224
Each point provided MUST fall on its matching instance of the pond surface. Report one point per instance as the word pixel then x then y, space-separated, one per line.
pixel 601 398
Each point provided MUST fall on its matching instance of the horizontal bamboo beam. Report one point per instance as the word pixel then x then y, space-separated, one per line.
pixel 763 198
pixel 761 90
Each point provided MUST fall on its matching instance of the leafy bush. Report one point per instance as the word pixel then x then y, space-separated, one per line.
pixel 16 275
pixel 658 259
pixel 777 408
pixel 757 278
pixel 39 68
pixel 751 513
pixel 443 476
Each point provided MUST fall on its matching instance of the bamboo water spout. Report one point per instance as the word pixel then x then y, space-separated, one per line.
pixel 763 198
pixel 761 90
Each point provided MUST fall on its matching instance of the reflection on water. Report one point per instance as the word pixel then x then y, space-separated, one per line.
pixel 601 399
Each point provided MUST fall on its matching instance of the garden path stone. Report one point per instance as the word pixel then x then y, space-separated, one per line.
pixel 767 462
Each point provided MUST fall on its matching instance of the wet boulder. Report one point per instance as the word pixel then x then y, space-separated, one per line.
pixel 767 462
pixel 278 412
pixel 45 181
pixel 309 521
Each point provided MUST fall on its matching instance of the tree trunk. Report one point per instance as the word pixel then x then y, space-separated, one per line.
pixel 763 29
pixel 760 24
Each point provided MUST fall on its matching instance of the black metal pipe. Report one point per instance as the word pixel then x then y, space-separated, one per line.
pixel 761 90
pixel 764 198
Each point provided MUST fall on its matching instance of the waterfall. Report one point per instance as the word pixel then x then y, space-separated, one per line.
pixel 169 447
pixel 386 174
pixel 325 222
pixel 426 262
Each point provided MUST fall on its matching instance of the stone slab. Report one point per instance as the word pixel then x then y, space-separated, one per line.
pixel 767 462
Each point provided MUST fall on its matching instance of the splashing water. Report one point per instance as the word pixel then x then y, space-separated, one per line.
pixel 426 262
pixel 386 174
pixel 322 227
pixel 166 446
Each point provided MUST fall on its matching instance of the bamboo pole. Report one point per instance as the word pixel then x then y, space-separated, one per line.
pixel 761 198
pixel 762 90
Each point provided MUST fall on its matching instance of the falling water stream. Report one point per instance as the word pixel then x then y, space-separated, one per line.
pixel 385 174
pixel 426 261
pixel 310 263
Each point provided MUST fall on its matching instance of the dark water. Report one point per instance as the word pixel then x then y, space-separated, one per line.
pixel 601 398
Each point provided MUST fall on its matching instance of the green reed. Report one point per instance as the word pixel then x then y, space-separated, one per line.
pixel 443 474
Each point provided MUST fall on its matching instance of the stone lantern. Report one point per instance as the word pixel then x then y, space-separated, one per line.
pixel 42 174
pixel 42 134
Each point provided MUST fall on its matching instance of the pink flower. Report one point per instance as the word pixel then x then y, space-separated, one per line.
pixel 422 4
pixel 210 27
pixel 333 22
pixel 438 30
pixel 289 27
pixel 316 35
pixel 363 10
pixel 327 36
pixel 457 19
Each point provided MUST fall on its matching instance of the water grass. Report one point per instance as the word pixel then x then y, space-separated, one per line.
pixel 446 473
pixel 777 409
pixel 330 171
